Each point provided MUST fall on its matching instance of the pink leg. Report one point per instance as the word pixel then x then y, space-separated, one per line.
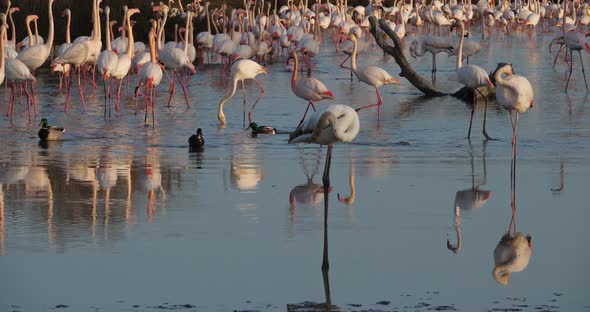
pixel 81 93
pixel 70 88
pixel 119 93
pixel 183 88
pixel 256 102
pixel 172 89
pixel 28 103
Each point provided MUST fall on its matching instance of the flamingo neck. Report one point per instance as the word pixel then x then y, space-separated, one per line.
pixel 295 70
pixel 500 80
pixel 220 114
pixel 153 48
pixel 124 30
pixel 2 49
pixel 36 32
pixel 50 35
pixel 501 275
pixel 13 39
pixel 186 31
pixel 161 30
pixel 208 18
pixel 176 33
pixel 107 30
pixel 30 33
pixel 68 38
pixel 460 54
pixel 130 42
pixel 354 51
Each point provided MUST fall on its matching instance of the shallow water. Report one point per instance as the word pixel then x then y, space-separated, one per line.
pixel 120 217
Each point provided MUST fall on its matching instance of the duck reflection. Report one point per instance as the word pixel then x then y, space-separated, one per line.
pixel 513 252
pixel 470 199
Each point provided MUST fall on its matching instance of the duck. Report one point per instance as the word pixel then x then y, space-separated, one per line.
pixel 256 129
pixel 49 133
pixel 196 142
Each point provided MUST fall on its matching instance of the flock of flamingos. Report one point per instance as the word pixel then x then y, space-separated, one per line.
pixel 240 40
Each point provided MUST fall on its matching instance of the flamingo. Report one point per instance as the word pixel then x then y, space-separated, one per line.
pixel 150 74
pixel 124 59
pixel 242 70
pixel 576 41
pixel 371 75
pixel 472 76
pixel 35 56
pixel 107 61
pixel 17 73
pixel 514 93
pixel 308 88
pixel 434 45
pixel 329 125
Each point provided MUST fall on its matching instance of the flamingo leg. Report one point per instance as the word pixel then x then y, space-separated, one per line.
pixel 153 100
pixel 485 112
pixel 244 95
pixel 70 89
pixel 583 72
pixel 172 89
pixel 570 74
pixel 28 103
pixel 119 93
pixel 325 259
pixel 472 114
pixel 256 102
pixel 433 67
pixel 556 56
pixel 310 103
pixel 183 88
pixel 379 101
pixel 81 93
pixel 104 84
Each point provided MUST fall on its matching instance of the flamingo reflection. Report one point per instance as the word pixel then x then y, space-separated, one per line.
pixel 470 199
pixel 561 180
pixel 513 252
pixel 151 179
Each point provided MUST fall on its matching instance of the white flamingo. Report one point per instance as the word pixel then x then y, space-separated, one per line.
pixel 371 75
pixel 242 70
pixel 514 93
pixel 308 88
pixel 107 60
pixel 472 76
pixel 150 75
pixel 327 126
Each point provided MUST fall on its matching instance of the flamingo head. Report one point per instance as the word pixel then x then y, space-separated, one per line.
pixel 191 67
pixel 66 12
pixel 14 9
pixel 289 37
pixel 262 70
pixel 275 35
pixel 235 57
pixel 133 11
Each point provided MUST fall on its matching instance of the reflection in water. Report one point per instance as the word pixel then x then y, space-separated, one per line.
pixel 1 220
pixel 310 193
pixel 470 199
pixel 561 176
pixel 350 199
pixel 151 180
pixel 245 172
pixel 513 252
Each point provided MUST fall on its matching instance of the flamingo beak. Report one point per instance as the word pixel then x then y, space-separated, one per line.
pixel 263 70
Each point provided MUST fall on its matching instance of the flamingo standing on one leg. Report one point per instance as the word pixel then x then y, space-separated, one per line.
pixel 242 70
pixel 514 93
pixel 308 88
pixel 371 75
pixel 472 76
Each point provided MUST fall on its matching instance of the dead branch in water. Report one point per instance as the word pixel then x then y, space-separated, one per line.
pixel 407 71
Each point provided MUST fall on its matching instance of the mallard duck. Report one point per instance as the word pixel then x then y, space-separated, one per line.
pixel 196 142
pixel 49 133
pixel 262 129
